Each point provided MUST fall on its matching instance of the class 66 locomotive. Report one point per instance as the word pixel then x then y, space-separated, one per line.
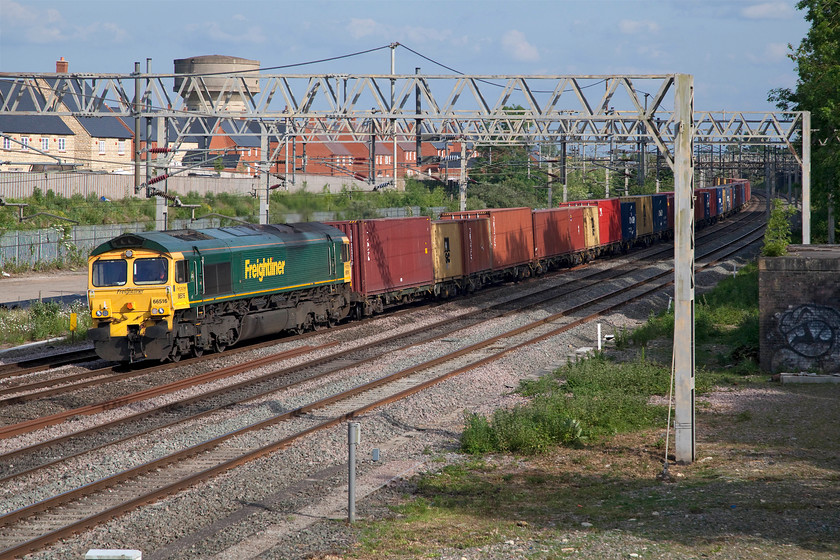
pixel 163 295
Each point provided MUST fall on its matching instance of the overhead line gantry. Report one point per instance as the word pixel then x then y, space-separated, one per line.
pixel 484 109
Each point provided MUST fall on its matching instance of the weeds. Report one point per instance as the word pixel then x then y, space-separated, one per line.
pixel 589 398
pixel 41 321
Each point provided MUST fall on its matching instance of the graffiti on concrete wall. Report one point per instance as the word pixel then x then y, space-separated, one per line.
pixel 806 339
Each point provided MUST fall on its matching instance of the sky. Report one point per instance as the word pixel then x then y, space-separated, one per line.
pixel 735 49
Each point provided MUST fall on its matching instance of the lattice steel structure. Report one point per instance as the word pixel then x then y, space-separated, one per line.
pixel 484 109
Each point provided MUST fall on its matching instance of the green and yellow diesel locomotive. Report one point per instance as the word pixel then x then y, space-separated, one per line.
pixel 163 295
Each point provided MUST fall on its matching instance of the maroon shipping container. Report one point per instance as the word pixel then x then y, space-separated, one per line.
pixel 701 205
pixel 558 231
pixel 511 234
pixel 475 243
pixel 389 254
pixel 609 217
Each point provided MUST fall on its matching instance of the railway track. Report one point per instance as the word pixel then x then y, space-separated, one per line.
pixel 228 450
pixel 21 388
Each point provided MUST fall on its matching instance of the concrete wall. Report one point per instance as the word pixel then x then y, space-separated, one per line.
pixel 799 310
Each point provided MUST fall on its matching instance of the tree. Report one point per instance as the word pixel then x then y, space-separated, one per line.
pixel 818 90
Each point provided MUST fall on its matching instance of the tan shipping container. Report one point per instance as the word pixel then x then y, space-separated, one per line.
pixel 590 226
pixel 447 250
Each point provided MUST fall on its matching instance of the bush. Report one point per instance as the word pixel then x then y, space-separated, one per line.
pixel 777 236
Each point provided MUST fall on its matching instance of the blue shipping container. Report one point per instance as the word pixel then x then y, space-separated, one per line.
pixel 719 200
pixel 660 212
pixel 628 221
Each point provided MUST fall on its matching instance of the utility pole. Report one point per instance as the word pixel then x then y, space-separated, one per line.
pixel 806 177
pixel 136 105
pixel 462 180
pixel 684 428
pixel 548 184
pixel 265 166
pixel 393 103
pixel 418 123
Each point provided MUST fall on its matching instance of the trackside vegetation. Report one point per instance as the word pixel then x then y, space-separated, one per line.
pixel 42 321
pixel 573 472
pixel 598 397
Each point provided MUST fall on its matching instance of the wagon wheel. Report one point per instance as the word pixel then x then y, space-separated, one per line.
pixel 197 350
pixel 175 355
pixel 219 346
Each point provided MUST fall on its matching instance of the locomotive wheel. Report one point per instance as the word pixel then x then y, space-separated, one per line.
pixel 197 351
pixel 219 346
pixel 175 355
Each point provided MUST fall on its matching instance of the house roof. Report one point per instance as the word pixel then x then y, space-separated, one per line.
pixel 97 127
pixel 32 124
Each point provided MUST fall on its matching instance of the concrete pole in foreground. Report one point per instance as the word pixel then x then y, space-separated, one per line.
pixel 684 270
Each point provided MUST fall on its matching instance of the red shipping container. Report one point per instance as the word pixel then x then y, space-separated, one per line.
pixel 609 217
pixel 389 254
pixel 701 203
pixel 511 234
pixel 475 242
pixel 558 231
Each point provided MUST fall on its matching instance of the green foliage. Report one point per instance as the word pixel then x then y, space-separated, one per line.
pixel 727 316
pixel 777 236
pixel 43 320
pixel 817 60
pixel 593 397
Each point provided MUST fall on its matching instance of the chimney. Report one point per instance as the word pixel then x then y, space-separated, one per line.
pixel 61 66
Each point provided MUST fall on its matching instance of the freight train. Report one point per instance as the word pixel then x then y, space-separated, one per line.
pixel 163 295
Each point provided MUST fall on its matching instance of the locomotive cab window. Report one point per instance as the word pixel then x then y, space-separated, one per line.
pixel 109 273
pixel 151 271
pixel 345 252
pixel 180 271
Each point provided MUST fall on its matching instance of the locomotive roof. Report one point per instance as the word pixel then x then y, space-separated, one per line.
pixel 184 240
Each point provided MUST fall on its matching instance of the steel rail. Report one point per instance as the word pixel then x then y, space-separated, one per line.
pixel 264 450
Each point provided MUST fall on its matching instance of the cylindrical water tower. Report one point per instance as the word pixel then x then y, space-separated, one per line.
pixel 219 65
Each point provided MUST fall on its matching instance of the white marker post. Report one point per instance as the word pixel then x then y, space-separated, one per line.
pixel 354 433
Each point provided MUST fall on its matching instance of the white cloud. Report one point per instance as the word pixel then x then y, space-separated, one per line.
pixel 228 33
pixel 360 28
pixel 518 47
pixel 767 10
pixel 633 27
pixel 776 51
pixel 15 13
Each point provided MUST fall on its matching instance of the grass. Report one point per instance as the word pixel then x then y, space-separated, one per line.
pixel 766 482
pixel 588 399
pixel 726 324
pixel 41 321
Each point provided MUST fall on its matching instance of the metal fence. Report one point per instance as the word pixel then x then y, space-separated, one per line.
pixel 64 243
pixel 115 187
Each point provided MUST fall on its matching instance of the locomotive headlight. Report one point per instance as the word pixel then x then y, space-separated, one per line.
pixel 99 313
